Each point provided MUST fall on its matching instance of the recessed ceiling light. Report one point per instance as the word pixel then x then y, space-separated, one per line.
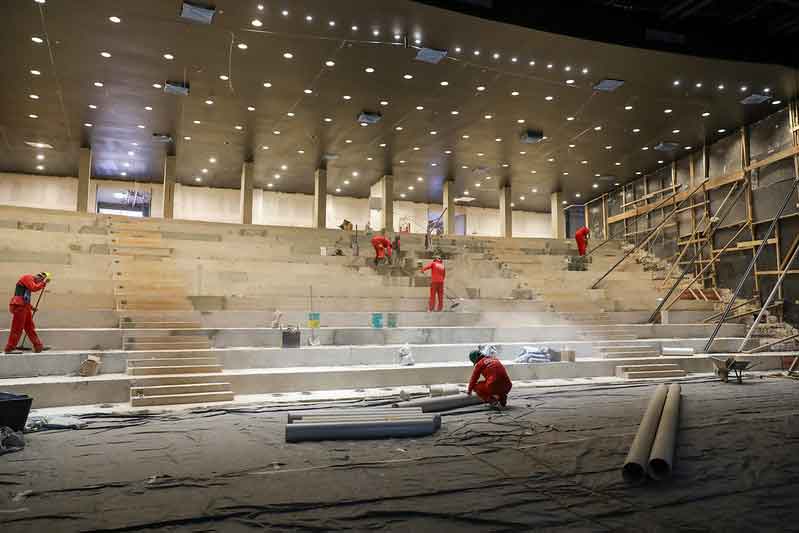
pixel 464 136
pixel 37 40
pixel 257 23
pixel 88 124
pixel 550 65
pixel 569 118
pixel 309 18
pixel 267 84
pixel 420 108
pixel 39 167
pixel 444 83
pixel 264 147
pixel 584 162
pixel 205 171
pixel 454 112
pixel 285 12
pixel 98 84
pixel 275 132
pixel 720 87
pixel 408 77
pixel 250 108
pixel 533 172
pixel 209 102
pixel 522 153
pixel 131 153
pixel 328 119
pixel 402 161
pixel 239 127
pixel 609 147
pixel 565 173
pixel 722 130
pixel 169 57
pixel 354 28
pixel 687 147
pixel 522 198
pixel 224 77
pixel 660 161
pixel 36 72
pixel 638 173
pixel 675 132
pixel 141 126
pixel 126 165
pixel 520 121
pixel 376 32
pixel 617 164
pixel 498 139
pixel 242 46
pixel 290 114
pixel 115 19
pixel 676 83
pixel 92 106
pixel 628 108
pixel 33 115
pixel 514 93
pixel 767 90
pixel 577 195
pixel 347 97
pixel 330 63
pixel 187 138
pixel 597 128
pixel 569 82
pixel 534 191
pixel 744 88
pixel 476 52
pixel 488 117
pixel 699 85
pixel 369 70
pixel 197 122
pixel 349 141
pixel 331 23
pixel 776 102
pixel 667 111
pixel 551 159
pixel 705 114
pixel 477 185
pixel 301 152
pixel 448 152
pixel 106 55
pixel 157 86
pixel 585 70
pixel 288 55
pixel 636 130
pixel 276 176
pixel 33 96
pixel 382 145
pixel 645 148
pixel 549 98
pixel 466 193
pixel 384 102
pixel 457 49
pixel 398 128
pixel 307 91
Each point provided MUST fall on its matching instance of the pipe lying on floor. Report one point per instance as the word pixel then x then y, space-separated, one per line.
pixel 662 455
pixel 398 415
pixel 444 389
pixel 441 403
pixel 299 415
pixel 676 350
pixel 634 470
pixel 344 430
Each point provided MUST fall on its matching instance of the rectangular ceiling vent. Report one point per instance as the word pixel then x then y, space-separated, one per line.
pixel 465 199
pixel 755 99
pixel 608 85
pixel 163 138
pixel 531 136
pixel 369 117
pixel 431 55
pixel 666 147
pixel 177 88
pixel 198 13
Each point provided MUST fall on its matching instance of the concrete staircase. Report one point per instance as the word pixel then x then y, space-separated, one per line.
pixel 625 351
pixel 639 371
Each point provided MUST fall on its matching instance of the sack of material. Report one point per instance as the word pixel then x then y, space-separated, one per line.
pixel 405 356
pixel 534 354
pixel 10 440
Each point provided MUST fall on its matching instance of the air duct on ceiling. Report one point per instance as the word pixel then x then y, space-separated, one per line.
pixel 197 13
pixel 177 88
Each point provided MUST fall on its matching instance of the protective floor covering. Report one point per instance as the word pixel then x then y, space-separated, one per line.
pixel 550 463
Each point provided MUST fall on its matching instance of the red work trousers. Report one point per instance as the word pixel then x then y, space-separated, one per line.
pixel 580 244
pixel 22 321
pixel 380 252
pixel 493 392
pixel 436 291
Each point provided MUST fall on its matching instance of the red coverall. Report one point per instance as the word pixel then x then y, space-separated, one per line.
pixel 497 384
pixel 581 236
pixel 382 246
pixel 437 272
pixel 20 308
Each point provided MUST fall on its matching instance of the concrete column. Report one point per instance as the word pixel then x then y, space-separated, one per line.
pixel 320 199
pixel 246 192
pixel 558 216
pixel 84 177
pixel 449 207
pixel 387 207
pixel 170 164
pixel 505 212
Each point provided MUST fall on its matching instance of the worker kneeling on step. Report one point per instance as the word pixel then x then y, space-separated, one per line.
pixel 581 236
pixel 497 384
pixel 22 312
pixel 437 273
pixel 382 247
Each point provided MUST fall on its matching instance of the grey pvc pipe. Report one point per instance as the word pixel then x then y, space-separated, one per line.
pixel 398 415
pixel 676 350
pixel 662 456
pixel 371 411
pixel 362 430
pixel 635 465
pixel 441 403
pixel 445 389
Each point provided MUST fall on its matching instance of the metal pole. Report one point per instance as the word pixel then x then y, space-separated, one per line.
pixel 652 233
pixel 769 345
pixel 750 267
pixel 698 253
pixel 768 300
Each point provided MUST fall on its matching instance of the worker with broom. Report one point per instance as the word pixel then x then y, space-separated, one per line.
pixel 382 246
pixel 437 273
pixel 581 236
pixel 496 385
pixel 22 312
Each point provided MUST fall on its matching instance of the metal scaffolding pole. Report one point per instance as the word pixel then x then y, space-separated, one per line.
pixel 652 233
pixel 751 266
pixel 710 232
pixel 770 297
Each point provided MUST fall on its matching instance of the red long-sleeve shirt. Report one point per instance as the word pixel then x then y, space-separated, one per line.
pixel 384 242
pixel 437 271
pixel 25 286
pixel 494 372
pixel 582 233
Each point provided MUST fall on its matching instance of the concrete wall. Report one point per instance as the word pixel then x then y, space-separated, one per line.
pixel 269 208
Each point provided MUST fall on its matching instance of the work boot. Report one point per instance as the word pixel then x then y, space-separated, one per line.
pixel 40 349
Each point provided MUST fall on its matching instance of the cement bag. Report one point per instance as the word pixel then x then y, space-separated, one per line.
pixel 405 356
pixel 534 354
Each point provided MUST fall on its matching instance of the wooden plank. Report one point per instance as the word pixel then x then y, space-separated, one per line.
pixel 773 158
pixel 752 244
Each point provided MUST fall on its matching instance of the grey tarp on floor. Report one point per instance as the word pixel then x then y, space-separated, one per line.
pixel 551 463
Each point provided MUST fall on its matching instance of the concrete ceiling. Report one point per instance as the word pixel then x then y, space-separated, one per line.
pixel 468 129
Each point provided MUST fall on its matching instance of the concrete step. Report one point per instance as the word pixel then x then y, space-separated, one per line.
pixel 162 390
pixel 628 348
pixel 133 251
pixel 133 346
pixel 175 399
pixel 622 370
pixel 158 380
pixel 172 361
pixel 630 354
pixel 131 324
pixel 177 369
pixel 643 374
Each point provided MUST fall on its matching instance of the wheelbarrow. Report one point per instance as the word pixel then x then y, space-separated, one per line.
pixel 725 367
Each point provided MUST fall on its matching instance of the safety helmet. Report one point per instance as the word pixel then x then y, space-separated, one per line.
pixel 475 356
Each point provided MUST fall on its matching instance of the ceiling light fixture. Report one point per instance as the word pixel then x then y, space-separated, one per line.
pixel 369 70
pixel 257 23
pixel 36 72
pixel 37 40
pixel 408 77
pixel 288 55
pixel 169 57
pixel 330 63
pixel 98 84
pixel 115 19
pixel 224 77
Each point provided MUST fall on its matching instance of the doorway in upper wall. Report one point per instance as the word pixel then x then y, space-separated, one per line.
pixel 115 200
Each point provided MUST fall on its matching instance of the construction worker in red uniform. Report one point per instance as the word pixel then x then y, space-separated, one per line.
pixel 437 272
pixel 22 312
pixel 382 247
pixel 497 384
pixel 581 236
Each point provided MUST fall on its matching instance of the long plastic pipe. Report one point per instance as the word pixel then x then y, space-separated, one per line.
pixel 444 389
pixel 442 403
pixel 373 411
pixel 398 415
pixel 634 470
pixel 362 430
pixel 662 456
